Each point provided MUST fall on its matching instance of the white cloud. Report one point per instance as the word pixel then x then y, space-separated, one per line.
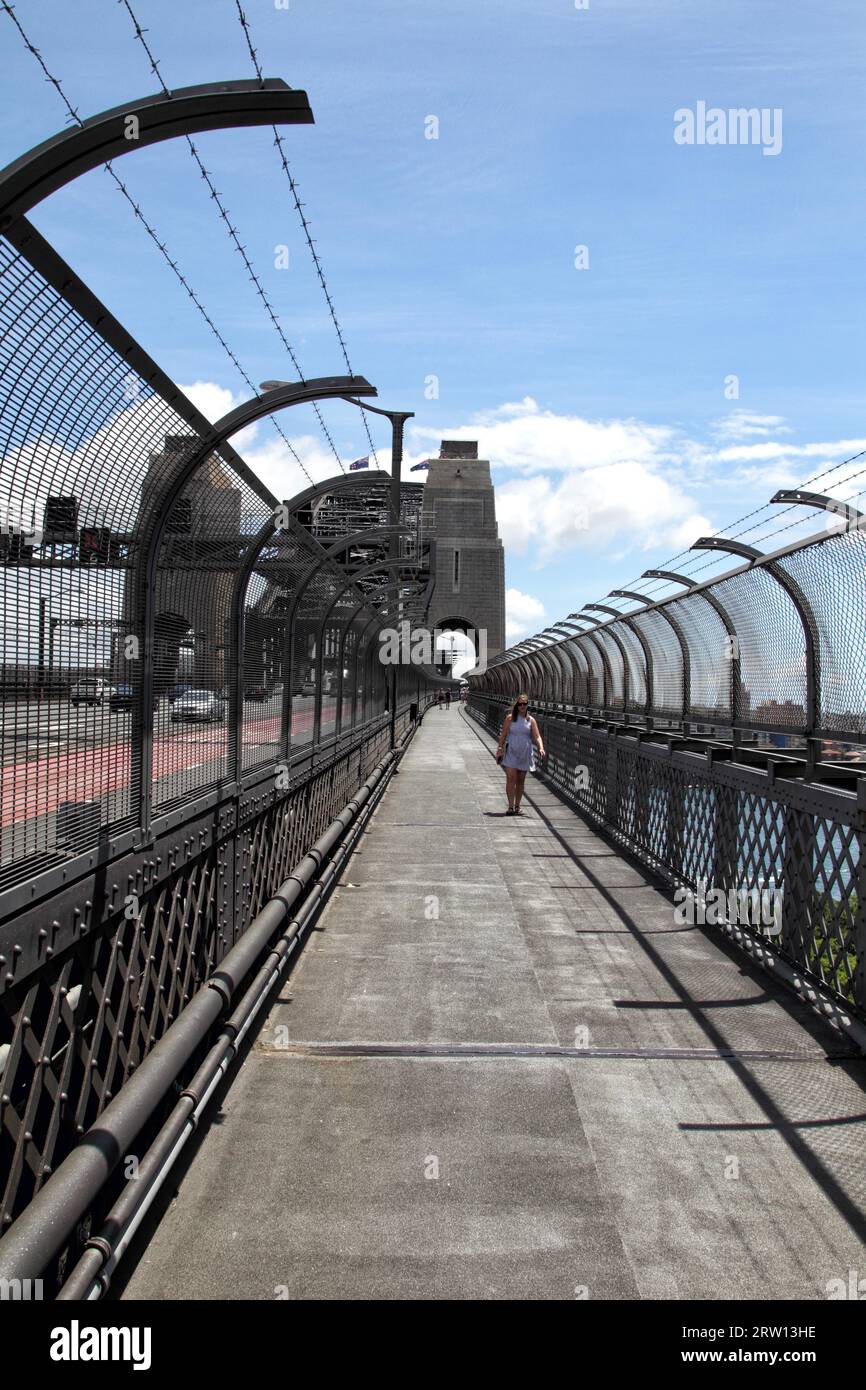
pixel 586 484
pixel 780 450
pixel 271 461
pixel 216 401
pixel 625 485
pixel 521 436
pixel 743 424
pixel 617 503
pixel 523 613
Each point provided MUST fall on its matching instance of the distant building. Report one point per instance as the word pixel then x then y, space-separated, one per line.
pixel 460 514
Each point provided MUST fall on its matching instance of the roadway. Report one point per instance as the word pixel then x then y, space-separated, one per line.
pixel 501 1070
pixel 54 753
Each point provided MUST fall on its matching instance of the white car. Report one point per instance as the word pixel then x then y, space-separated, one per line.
pixel 202 705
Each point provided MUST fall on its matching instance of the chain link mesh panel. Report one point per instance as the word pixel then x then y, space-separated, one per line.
pixel 771 648
pixel 832 577
pixel 83 442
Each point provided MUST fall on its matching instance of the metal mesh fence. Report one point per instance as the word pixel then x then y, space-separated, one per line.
pixel 191 691
pixel 666 697
pixel 208 532
pixel 133 565
pixel 833 578
pixel 771 650
pixel 775 648
pixel 82 439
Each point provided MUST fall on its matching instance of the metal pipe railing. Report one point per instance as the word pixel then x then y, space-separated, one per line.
pixel 49 1220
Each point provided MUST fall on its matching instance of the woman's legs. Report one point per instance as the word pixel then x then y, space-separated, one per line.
pixel 510 785
pixel 519 779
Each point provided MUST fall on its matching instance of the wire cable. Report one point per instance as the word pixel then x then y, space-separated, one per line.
pixel 299 207
pixel 230 228
pixel 9 9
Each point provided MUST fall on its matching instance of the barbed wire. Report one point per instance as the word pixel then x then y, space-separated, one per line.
pixel 9 9
pixel 299 207
pixel 231 230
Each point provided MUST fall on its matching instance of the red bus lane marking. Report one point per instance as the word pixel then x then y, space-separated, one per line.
pixel 37 787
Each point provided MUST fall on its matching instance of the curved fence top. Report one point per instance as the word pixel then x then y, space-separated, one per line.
pixel 775 645
pixel 139 666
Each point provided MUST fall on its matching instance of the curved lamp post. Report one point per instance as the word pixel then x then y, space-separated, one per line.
pixel 141 122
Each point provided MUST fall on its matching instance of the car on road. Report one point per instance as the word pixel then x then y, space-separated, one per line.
pixel 174 692
pixel 203 705
pixel 122 696
pixel 308 688
pixel 89 692
pixel 257 692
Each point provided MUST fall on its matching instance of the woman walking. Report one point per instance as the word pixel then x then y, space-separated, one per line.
pixel 519 733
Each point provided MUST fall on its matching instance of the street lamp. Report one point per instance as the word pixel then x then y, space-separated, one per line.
pixel 398 419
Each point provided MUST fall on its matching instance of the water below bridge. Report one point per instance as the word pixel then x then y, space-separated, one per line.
pixel 500 1069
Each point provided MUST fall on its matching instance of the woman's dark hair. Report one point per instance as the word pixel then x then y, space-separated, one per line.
pixel 516 703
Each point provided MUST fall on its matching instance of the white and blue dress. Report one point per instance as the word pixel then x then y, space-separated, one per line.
pixel 518 750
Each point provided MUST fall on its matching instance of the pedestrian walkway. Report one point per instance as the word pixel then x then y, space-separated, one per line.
pixel 501 1070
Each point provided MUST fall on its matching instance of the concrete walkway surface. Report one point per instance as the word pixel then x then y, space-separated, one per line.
pixel 501 1070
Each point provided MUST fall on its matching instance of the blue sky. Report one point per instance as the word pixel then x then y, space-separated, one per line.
pixel 599 393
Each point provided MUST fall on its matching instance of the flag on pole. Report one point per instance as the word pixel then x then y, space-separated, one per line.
pixel 415 466
pixel 360 463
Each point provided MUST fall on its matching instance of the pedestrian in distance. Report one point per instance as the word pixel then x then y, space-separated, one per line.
pixel 448 699
pixel 440 697
pixel 520 734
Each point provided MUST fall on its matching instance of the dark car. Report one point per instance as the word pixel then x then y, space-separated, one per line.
pixel 257 692
pixel 122 696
